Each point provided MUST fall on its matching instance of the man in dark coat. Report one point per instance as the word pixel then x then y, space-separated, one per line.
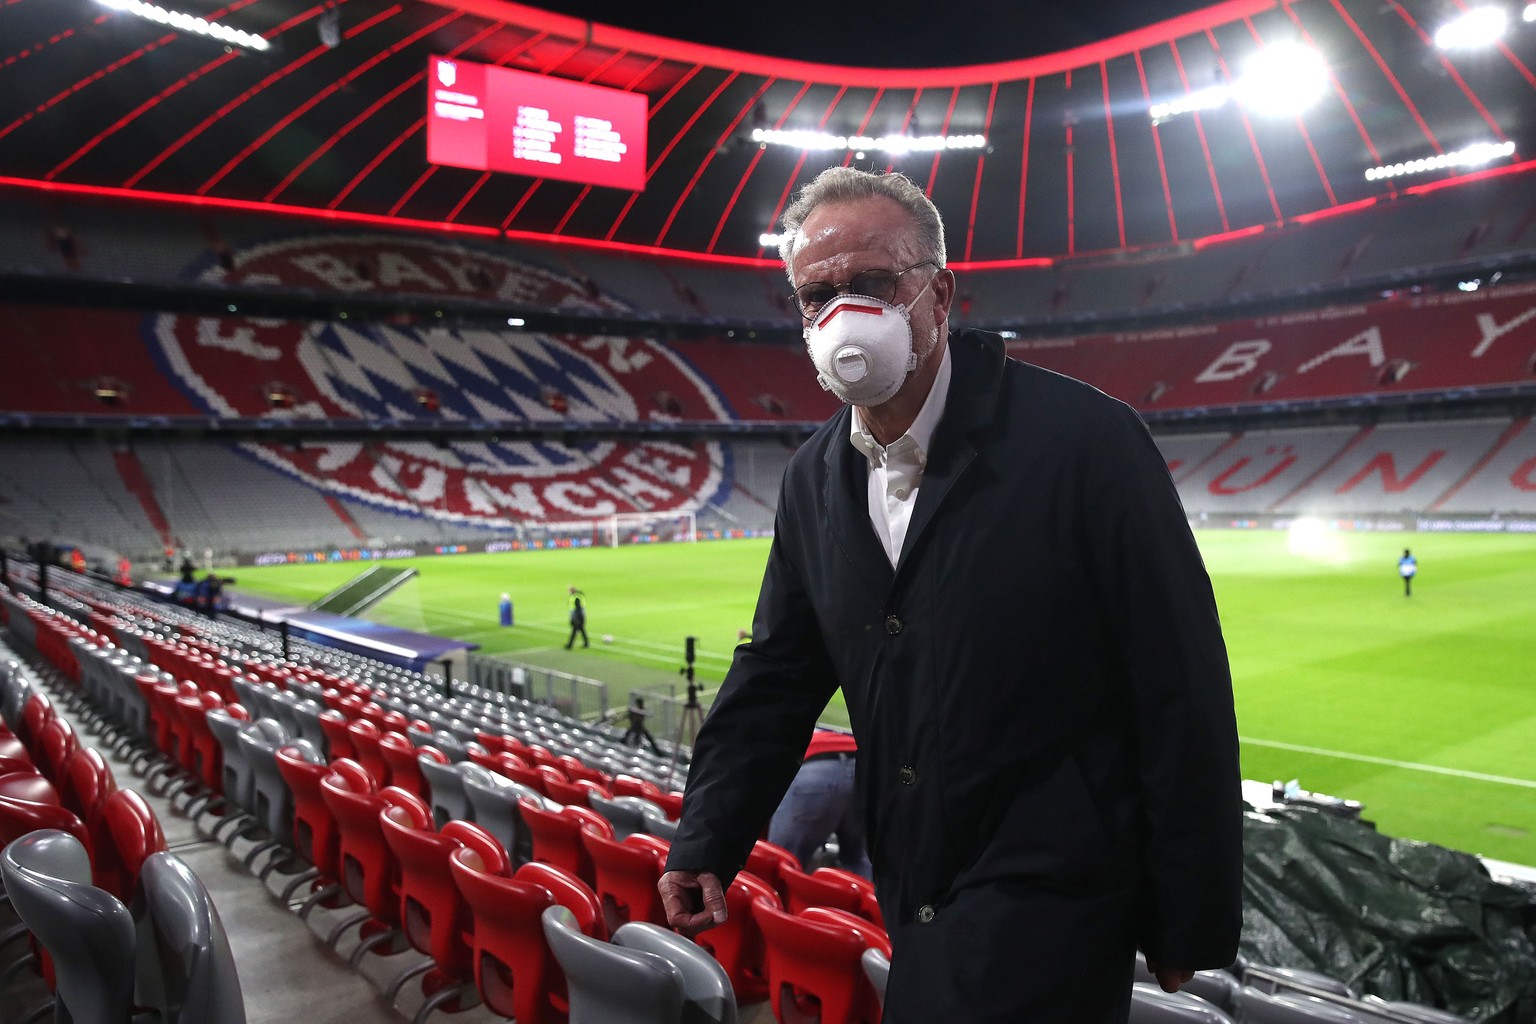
pixel 995 567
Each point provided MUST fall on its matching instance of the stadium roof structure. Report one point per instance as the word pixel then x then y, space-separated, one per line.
pixel 95 101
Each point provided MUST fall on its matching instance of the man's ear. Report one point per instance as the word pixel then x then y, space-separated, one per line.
pixel 943 295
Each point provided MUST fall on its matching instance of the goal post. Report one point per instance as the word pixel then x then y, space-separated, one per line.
pixel 651 528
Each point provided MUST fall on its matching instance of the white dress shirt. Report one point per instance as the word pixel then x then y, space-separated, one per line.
pixel 896 469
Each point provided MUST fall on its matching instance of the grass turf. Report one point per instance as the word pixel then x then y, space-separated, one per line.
pixel 1423 708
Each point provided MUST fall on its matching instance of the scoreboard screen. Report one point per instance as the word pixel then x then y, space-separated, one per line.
pixel 498 119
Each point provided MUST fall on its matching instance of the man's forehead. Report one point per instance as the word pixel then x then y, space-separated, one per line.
pixel 870 228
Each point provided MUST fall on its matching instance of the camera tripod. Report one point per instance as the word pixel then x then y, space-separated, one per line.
pixel 691 716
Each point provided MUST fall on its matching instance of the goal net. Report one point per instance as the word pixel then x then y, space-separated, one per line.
pixel 650 528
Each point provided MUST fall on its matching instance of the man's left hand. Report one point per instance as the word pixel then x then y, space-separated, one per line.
pixel 1170 979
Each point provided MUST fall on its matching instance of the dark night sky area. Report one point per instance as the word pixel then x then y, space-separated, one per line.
pixel 888 33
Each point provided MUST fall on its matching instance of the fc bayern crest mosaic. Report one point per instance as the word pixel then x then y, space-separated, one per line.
pixel 249 367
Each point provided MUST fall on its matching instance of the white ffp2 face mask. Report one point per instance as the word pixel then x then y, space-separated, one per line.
pixel 862 349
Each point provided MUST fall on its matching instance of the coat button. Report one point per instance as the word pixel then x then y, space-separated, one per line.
pixel 893 625
pixel 907 775
pixel 925 913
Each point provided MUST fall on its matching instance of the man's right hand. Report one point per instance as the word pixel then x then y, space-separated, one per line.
pixel 693 900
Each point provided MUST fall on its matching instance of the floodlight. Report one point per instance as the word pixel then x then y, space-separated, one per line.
pixel 189 23
pixel 1529 14
pixel 1283 80
pixel 896 145
pixel 768 240
pixel 1481 26
pixel 1469 156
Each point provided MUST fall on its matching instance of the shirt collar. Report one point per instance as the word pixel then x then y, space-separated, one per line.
pixel 922 429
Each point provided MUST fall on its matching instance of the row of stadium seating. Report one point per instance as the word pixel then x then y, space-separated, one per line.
pixel 256 498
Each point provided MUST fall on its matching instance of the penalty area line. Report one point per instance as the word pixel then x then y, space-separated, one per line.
pixel 1391 763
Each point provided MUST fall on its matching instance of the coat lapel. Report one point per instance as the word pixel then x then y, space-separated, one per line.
pixel 845 501
pixel 971 404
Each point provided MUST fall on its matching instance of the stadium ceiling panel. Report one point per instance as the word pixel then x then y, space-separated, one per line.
pixel 95 99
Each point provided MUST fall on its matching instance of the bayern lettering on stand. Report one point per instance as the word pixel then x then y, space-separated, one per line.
pixel 351 370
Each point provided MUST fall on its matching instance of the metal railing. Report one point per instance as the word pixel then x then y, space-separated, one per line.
pixel 574 696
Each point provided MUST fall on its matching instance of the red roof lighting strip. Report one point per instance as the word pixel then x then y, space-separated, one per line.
pixel 949 119
pixel 1301 126
pixel 420 123
pixel 1157 146
pixel 88 80
pixel 1392 79
pixel 1338 89
pixel 37 48
pixel 1029 117
pixel 1114 153
pixel 224 111
pixel 372 108
pixel 1071 185
pixel 142 197
pixel 741 181
pixel 1450 69
pixel 629 204
pixel 1253 142
pixel 309 104
pixel 794 175
pixel 168 91
pixel 687 190
pixel 981 163
pixel 598 34
pixel 1205 146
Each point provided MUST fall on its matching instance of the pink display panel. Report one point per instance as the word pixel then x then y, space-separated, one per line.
pixel 498 119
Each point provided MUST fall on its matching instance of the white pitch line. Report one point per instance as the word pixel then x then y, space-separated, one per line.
pixel 1410 765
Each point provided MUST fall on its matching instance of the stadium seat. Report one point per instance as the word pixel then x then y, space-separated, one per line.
pixel 877 968
pixel 186 969
pixel 87 781
pixel 514 970
pixel 738 943
pixel 127 834
pixel 769 862
pixel 624 877
pixel 493 800
pixel 87 932
pixel 608 982
pixel 1259 1007
pixel 817 956
pixel 557 839
pixel 707 994
pixel 433 913
pixel 1151 1005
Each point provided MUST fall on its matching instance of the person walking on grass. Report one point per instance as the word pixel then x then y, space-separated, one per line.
pixel 578 619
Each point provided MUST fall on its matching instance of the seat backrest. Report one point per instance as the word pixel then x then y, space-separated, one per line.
pixel 432 911
pixel 271 797
pixel 369 871
pixel 625 813
pixel 449 802
pixel 400 756
pixel 86 931
pixel 515 973
pixel 570 892
pixel 819 954
pixel 315 835
pixel 493 805
pixel 1258 1007
pixel 18 817
pixel 237 785
pixel 608 982
pixel 1151 1005
pixel 738 943
pixel 769 861
pixel 708 997
pixel 624 877
pixel 127 835
pixel 185 964
pixel 820 889
pixel 87 781
pixel 877 968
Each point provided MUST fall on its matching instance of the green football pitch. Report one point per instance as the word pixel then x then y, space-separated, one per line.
pixel 1423 708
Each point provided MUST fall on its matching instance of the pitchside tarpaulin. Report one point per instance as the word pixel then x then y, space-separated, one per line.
pixel 1394 918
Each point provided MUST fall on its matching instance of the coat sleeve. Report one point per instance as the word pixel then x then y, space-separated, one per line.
pixel 753 739
pixel 1161 611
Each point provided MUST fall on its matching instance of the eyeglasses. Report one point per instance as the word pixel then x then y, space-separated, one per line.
pixel 877 284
